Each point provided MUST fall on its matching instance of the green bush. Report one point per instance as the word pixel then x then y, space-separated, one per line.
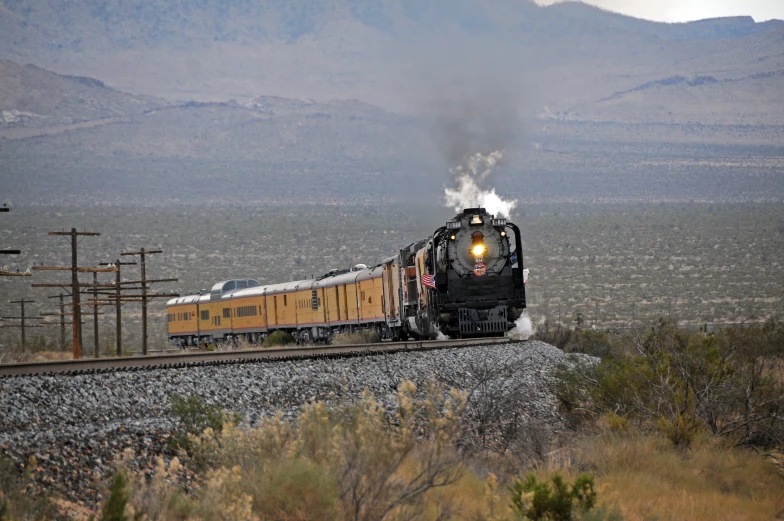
pixel 536 500
pixel 15 500
pixel 278 338
pixel 195 416
pixel 114 508
pixel 681 382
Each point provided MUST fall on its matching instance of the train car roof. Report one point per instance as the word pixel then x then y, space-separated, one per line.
pixel 299 285
pixel 349 278
pixel 271 289
pixel 283 287
pixel 188 299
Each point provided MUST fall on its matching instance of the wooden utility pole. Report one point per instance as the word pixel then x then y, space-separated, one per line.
pixel 73 236
pixel 142 253
pixel 118 297
pixel 95 314
pixel 62 319
pixel 23 320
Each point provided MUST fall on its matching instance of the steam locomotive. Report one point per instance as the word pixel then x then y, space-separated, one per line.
pixel 465 280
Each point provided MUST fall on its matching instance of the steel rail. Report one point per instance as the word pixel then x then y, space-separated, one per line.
pixel 110 364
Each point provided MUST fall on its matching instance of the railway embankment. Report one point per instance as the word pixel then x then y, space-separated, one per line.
pixel 75 426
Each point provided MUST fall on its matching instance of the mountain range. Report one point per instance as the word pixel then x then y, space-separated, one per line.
pixel 275 100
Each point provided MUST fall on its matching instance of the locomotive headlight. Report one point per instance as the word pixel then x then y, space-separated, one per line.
pixel 452 237
pixel 503 234
pixel 478 244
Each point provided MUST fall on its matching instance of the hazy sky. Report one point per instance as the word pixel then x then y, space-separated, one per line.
pixel 686 10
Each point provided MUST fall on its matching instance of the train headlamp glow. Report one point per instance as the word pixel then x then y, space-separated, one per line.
pixel 452 237
pixel 478 250
pixel 503 234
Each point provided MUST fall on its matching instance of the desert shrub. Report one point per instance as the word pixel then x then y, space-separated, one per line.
pixel 360 461
pixel 363 336
pixel 558 335
pixel 114 508
pixel 278 338
pixel 536 500
pixel 194 417
pixel 589 341
pixel 15 500
pixel 680 382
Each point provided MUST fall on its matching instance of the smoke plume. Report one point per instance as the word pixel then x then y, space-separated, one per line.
pixel 470 180
pixel 524 328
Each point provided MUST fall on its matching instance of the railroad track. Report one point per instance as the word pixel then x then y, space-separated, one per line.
pixel 97 365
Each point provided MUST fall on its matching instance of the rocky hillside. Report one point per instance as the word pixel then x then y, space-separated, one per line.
pixel 31 96
pixel 397 54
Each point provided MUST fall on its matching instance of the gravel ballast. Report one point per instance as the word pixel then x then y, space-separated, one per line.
pixel 76 425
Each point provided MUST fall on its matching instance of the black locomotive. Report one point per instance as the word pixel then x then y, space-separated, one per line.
pixel 470 278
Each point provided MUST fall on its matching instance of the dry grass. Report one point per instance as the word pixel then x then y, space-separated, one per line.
pixel 358 337
pixel 18 356
pixel 650 479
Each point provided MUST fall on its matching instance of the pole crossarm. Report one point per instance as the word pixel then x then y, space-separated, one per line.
pixel 112 302
pixel 142 252
pixel 80 270
pixel 10 252
pixel 15 274
pixel 74 232
pixel 167 295
pixel 26 326
pixel 176 279
pixel 80 285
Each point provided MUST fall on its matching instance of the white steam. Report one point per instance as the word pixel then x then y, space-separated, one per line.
pixel 524 328
pixel 470 192
pixel 441 336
